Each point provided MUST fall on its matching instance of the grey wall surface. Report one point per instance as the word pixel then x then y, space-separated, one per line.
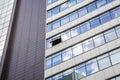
pixel 26 46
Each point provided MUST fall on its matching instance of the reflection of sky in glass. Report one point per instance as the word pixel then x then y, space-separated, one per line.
pixel 65 36
pixel 77 49
pixel 101 2
pixel 75 31
pixel 64 6
pixel 67 72
pixel 99 40
pixel 88 45
pixel 67 55
pixel 91 66
pixel 5 14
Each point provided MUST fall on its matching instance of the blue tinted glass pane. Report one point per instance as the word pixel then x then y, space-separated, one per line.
pixel 49 79
pixel 75 31
pixel 99 40
pixel 110 35
pixel 78 1
pixel 56 77
pixel 105 17
pixel 64 20
pixel 64 6
pixel 77 49
pixel 54 0
pixel 56 24
pixel 92 67
pixel 115 58
pixel 67 54
pixel 91 7
pixel 109 1
pixel 118 31
pixel 48 62
pixel 49 1
pixel 101 3
pixel 87 45
pixel 95 22
pixel 104 61
pixel 49 27
pixel 81 71
pixel 72 3
pixel 48 43
pixel 55 10
pixel 66 35
pixel 84 27
pixel 49 13
pixel 73 16
pixel 82 11
pixel 115 13
pixel 56 59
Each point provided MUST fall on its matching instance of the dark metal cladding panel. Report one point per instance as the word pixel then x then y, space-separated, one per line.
pixel 26 47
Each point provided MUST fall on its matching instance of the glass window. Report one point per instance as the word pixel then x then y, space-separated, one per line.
pixel 95 22
pixel 78 1
pixel 75 31
pixel 109 1
pixel 99 40
pixel 56 24
pixel 118 78
pixel 110 35
pixel 49 13
pixel 101 3
pixel 54 0
pixel 91 66
pixel 55 10
pixel 105 17
pixel 73 16
pixel 67 54
pixel 67 72
pixel 84 27
pixel 48 62
pixel 57 59
pixel 64 20
pixel 49 27
pixel 58 76
pixel 91 7
pixel 82 11
pixel 48 43
pixel 88 44
pixel 77 49
pixel 118 31
pixel 49 79
pixel 65 35
pixel 81 70
pixel 49 1
pixel 115 12
pixel 72 3
pixel 115 56
pixel 64 6
pixel 104 61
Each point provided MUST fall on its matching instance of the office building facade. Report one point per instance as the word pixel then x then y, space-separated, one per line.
pixel 82 40
pixel 22 39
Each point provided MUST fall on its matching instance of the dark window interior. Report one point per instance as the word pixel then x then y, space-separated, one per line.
pixel 56 41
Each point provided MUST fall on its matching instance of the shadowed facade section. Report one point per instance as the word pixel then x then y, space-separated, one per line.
pixel 24 58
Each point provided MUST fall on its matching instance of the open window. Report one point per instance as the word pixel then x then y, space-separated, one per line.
pixel 56 40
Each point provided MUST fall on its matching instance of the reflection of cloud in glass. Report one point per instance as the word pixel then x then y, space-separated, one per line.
pixel 67 72
pixel 94 67
pixel 49 1
pixel 63 6
pixel 66 36
pixel 67 55
pixel 99 41
pixel 77 50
